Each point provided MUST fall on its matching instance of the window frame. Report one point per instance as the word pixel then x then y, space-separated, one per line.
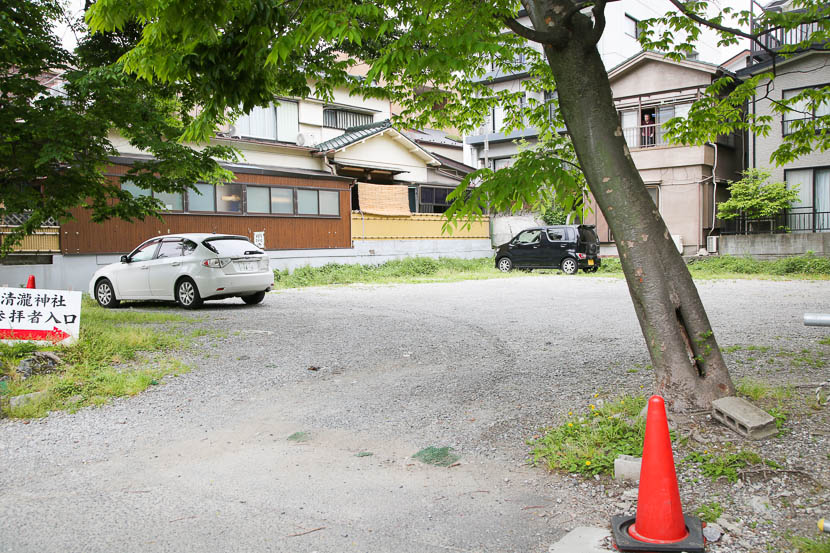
pixel 796 91
pixel 637 28
pixel 152 194
pixel 344 113
pixel 811 209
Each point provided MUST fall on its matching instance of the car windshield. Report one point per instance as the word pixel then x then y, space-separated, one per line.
pixel 231 246
pixel 587 235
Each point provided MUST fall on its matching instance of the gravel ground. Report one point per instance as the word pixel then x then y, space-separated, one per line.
pixel 201 463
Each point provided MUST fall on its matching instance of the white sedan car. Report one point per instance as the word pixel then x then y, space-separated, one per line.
pixel 187 268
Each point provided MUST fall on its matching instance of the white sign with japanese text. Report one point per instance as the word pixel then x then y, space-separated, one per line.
pixel 259 239
pixel 40 315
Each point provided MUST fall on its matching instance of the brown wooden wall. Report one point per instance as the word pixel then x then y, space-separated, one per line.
pixel 282 232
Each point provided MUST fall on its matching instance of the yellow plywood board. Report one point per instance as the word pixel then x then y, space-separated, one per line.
pixel 418 226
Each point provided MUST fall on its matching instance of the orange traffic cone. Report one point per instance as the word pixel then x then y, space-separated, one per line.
pixel 31 282
pixel 659 524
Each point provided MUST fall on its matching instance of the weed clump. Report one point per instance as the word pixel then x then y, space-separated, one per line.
pixel 438 456
pixel 587 444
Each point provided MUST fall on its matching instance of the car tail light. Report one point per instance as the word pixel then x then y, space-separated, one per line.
pixel 581 255
pixel 216 263
pixel 264 263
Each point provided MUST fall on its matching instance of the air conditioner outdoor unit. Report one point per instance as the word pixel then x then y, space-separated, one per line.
pixel 712 244
pixel 233 132
pixel 306 139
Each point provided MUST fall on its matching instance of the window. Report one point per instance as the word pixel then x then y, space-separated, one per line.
pixel 654 192
pixel 503 162
pixel 632 26
pixel 434 199
pixel 145 251
pixel 329 202
pixel 800 110
pixel 236 198
pixel 282 200
pixel 259 199
pixel 812 210
pixel 529 237
pixel 318 202
pixel 307 202
pixel 556 235
pixel 229 198
pixel 277 121
pixel 344 119
pixel 201 199
pixel 173 201
pixel 170 248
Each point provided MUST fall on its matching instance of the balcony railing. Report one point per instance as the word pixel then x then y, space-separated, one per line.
pixel 645 136
pixel 812 221
pixel 781 37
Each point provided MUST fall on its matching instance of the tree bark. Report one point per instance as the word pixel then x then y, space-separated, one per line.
pixel 689 369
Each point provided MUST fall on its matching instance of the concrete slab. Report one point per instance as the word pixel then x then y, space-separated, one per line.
pixel 744 418
pixel 583 539
pixel 627 467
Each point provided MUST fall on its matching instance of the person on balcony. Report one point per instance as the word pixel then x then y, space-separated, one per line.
pixel 647 131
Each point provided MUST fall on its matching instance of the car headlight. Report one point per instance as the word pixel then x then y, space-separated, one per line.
pixel 216 263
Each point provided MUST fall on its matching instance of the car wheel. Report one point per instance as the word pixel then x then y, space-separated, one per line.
pixel 254 299
pixel 187 294
pixel 569 266
pixel 105 294
pixel 505 265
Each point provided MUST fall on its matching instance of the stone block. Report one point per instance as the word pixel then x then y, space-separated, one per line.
pixel 744 418
pixel 583 539
pixel 627 467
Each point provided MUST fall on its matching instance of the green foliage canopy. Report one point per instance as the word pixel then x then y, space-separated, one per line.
pixel 753 197
pixel 57 110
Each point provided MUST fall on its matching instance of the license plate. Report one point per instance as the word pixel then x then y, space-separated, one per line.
pixel 246 266
pixel 590 262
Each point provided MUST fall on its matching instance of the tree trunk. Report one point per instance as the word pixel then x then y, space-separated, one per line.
pixel 689 369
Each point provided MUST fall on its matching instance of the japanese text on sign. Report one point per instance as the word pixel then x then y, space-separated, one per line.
pixel 39 315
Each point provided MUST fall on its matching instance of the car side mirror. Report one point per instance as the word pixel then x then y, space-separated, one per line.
pixel 125 259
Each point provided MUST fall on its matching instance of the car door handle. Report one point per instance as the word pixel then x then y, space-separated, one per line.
pixel 175 263
pixel 144 267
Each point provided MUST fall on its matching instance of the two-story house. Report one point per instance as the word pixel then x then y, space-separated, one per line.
pixel 806 69
pixel 683 180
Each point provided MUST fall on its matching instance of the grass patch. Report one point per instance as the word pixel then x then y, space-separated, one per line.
pixel 412 269
pixel 726 465
pixel 100 365
pixel 588 443
pixel 299 437
pixel 808 265
pixel 709 512
pixel 809 545
pixel 825 341
pixel 427 269
pixel 438 456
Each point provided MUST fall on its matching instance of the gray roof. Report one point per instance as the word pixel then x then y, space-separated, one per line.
pixel 354 134
pixel 433 136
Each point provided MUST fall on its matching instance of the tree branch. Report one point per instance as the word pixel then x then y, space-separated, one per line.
pixel 528 33
pixel 724 29
pixel 599 21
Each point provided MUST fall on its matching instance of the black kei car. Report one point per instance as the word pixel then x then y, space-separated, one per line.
pixel 566 247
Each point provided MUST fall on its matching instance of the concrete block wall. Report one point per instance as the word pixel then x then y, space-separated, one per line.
pixel 771 246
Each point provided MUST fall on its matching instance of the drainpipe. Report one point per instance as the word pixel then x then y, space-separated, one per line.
pixel 714 189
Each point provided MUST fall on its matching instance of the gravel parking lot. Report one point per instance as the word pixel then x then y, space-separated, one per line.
pixel 202 462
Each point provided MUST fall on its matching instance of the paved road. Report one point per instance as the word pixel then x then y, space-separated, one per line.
pixel 202 462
